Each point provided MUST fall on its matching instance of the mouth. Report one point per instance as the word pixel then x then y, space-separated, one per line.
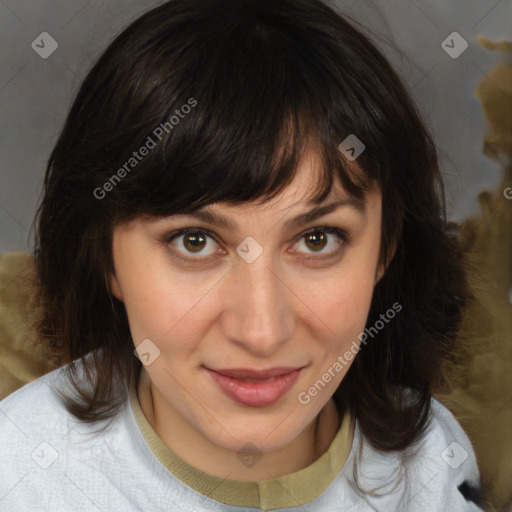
pixel 255 388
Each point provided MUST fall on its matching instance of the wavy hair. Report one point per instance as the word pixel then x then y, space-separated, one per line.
pixel 264 79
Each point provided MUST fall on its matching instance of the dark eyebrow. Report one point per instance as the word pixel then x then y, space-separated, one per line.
pixel 218 220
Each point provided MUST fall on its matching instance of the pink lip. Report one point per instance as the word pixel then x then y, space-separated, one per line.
pixel 243 373
pixel 255 394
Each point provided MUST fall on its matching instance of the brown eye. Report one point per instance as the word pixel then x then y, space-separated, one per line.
pixel 194 242
pixel 202 243
pixel 316 240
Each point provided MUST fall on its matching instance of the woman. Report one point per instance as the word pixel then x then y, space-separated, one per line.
pixel 244 273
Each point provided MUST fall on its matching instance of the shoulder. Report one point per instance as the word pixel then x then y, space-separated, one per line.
pixel 30 419
pixel 38 407
pixel 444 464
pixel 32 406
pixel 438 472
pixel 49 460
pixel 447 442
pixel 44 448
pixel 446 434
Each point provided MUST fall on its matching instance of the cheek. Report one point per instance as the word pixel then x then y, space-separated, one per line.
pixel 162 307
pixel 342 300
pixel 143 297
pixel 347 310
pixel 343 297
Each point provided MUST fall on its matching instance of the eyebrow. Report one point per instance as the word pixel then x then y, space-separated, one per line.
pixel 218 220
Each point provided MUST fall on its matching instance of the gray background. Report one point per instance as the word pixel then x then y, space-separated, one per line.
pixel 35 93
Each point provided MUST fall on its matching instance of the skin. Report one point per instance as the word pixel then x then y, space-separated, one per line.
pixel 220 311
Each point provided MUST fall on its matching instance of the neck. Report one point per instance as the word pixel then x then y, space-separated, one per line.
pixel 216 460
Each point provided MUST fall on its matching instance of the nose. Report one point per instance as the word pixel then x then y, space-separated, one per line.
pixel 258 314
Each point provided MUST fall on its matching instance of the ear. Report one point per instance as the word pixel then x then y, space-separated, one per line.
pixel 381 270
pixel 114 287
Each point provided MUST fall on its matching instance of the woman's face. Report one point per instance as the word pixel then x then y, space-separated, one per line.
pixel 273 290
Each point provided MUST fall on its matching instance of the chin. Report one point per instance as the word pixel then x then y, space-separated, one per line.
pixel 268 435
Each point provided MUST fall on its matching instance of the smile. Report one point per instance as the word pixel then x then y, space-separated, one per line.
pixel 255 388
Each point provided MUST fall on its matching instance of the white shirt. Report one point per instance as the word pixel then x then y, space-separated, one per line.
pixel 51 461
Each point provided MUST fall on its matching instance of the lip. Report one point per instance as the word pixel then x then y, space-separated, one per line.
pixel 243 373
pixel 259 393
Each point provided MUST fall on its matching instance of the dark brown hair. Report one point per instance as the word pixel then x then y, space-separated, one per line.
pixel 266 79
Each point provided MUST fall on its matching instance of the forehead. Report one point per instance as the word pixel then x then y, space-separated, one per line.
pixel 295 200
pixel 294 204
pixel 302 189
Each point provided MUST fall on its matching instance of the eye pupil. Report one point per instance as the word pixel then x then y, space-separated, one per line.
pixel 194 241
pixel 317 238
pixel 197 241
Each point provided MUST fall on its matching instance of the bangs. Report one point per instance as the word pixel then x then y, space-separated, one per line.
pixel 207 101
pixel 262 95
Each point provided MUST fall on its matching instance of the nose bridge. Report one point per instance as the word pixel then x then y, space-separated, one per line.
pixel 260 287
pixel 261 316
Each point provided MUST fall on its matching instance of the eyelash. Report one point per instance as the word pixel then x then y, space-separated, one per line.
pixel 340 233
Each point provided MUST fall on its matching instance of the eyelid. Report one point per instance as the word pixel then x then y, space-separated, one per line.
pixel 341 233
pixel 167 239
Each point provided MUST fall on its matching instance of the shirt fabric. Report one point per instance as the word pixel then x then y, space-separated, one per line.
pixel 51 461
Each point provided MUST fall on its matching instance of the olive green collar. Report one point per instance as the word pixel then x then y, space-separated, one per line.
pixel 290 490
